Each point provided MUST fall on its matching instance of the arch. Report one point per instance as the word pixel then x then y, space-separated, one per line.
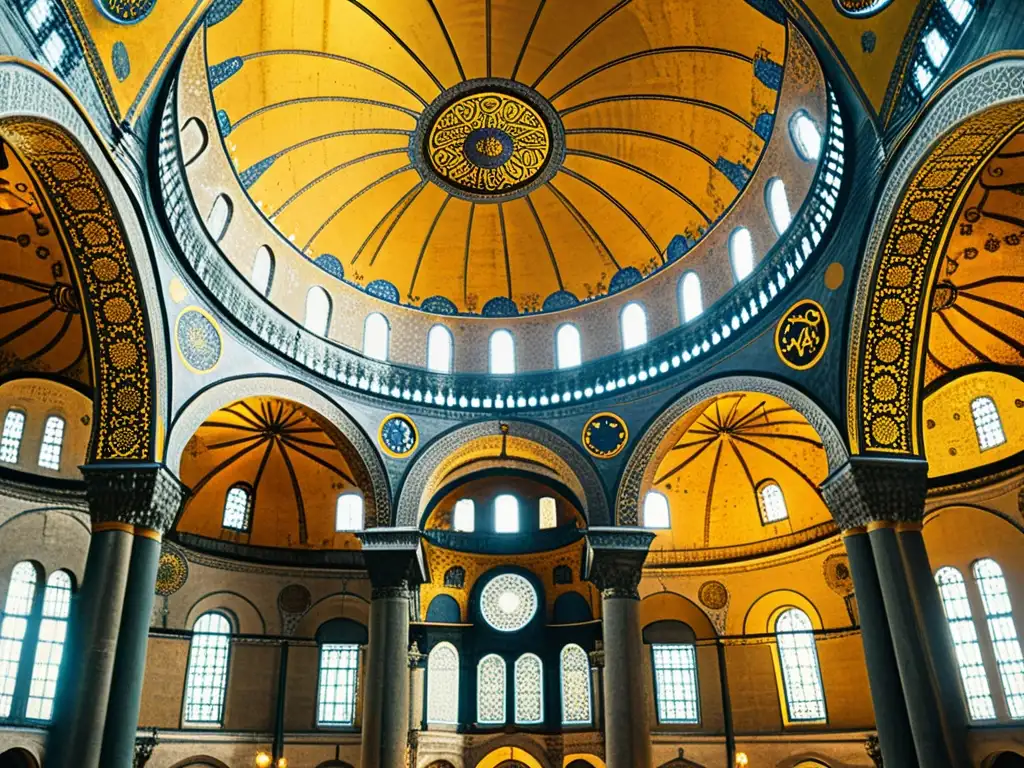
pixel 568 349
pixel 978 103
pixel 347 605
pixel 860 9
pixel 656 510
pixel 633 325
pixel 317 317
pixel 245 617
pixel 376 336
pixel 498 757
pixel 643 461
pixel 1004 760
pixel 806 136
pixel 741 253
pixel 200 761
pixel 501 352
pixel 571 608
pixel 761 616
pixel 18 758
pixel 440 349
pixel 691 301
pixel 671 606
pixel 193 139
pixel 777 203
pixel 444 609
pixel 349 514
pixel 581 760
pixel 219 218
pixel 263 265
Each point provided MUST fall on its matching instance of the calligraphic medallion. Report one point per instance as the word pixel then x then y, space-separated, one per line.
pixel 802 335
pixel 605 435
pixel 398 435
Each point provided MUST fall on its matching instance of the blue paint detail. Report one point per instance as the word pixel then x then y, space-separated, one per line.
pixel 252 174
pixel 443 608
pixel 331 265
pixel 768 72
pixel 221 72
pixel 383 290
pixel 560 300
pixel 868 41
pixel 223 122
pixel 763 125
pixel 623 279
pixel 571 608
pixel 119 59
pixel 737 173
pixel 500 306
pixel 439 305
pixel 220 10
pixel 678 247
pixel 770 8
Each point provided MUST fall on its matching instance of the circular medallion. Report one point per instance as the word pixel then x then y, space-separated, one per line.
pixel 294 598
pixel 125 11
pixel 605 435
pixel 713 595
pixel 838 576
pixel 198 340
pixel 398 435
pixel 508 602
pixel 802 335
pixel 171 573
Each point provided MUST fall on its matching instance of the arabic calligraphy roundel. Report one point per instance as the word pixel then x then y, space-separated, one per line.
pixel 802 335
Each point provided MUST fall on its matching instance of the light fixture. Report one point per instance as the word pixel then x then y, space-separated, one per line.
pixel 741 759
pixel 282 762
pixel 263 760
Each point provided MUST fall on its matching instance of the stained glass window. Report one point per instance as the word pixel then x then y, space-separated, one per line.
pixel 806 136
pixel 675 683
pixel 18 607
pixel 987 424
pixel 318 311
pixel 490 690
pixel 464 517
pixel 53 440
pixel 634 326
pixel 10 442
pixel 656 513
pixel 1003 631
pixel 263 270
pixel 529 690
pixel 237 506
pixel 772 502
pixel 798 657
pixel 508 602
pixel 568 351
pixel 376 333
pixel 548 513
pixel 575 686
pixel 443 684
pixel 439 349
pixel 339 674
pixel 741 253
pixel 506 514
pixel 502 349
pixel 50 646
pixel 690 296
pixel 207 678
pixel 348 515
pixel 965 643
pixel 778 205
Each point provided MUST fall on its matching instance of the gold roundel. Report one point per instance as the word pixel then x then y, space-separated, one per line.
pixel 489 143
pixel 802 335
pixel 605 435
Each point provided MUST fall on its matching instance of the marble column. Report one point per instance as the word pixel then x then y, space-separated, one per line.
pixel 614 562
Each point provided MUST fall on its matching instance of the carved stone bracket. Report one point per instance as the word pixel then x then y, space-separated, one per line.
pixel 614 558
pixel 870 489
pixel 394 559
pixel 143 494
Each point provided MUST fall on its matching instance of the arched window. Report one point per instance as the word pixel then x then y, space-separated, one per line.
pixel 987 424
pixel 568 353
pixel 965 643
pixel 263 270
pixel 53 440
pixel 490 690
pixel 21 594
pixel 805 135
pixel 443 684
pixel 238 508
pixel 778 205
pixel 675 682
pixel 348 514
pixel 529 689
pixel 10 441
pixel 338 678
pixel 959 9
pixel 220 218
pixel 798 660
pixel 376 333
pixel 690 298
pixel 575 686
pixel 318 311
pixel 771 502
pixel 464 517
pixel 53 628
pixel 440 346
pixel 1003 631
pixel 207 678
pixel 502 352
pixel 634 326
pixel 548 513
pixel 506 514
pixel 741 253
pixel 656 513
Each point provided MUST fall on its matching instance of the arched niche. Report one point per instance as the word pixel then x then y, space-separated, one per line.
pixel 760 616
pixel 671 606
pixel 243 614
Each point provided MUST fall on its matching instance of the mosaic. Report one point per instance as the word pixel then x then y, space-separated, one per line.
pixel 199 342
pixel 605 435
pixel 171 573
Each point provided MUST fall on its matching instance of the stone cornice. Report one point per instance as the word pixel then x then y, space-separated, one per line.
pixel 871 489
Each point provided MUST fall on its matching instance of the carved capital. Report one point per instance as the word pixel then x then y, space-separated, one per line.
pixel 869 489
pixel 614 559
pixel 147 495
pixel 394 559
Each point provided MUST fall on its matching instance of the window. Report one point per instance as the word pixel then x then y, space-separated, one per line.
pixel 772 502
pixel 959 9
pixel 936 47
pixel 690 296
pixel 568 353
pixel 1003 632
pixel 53 628
pixel 675 683
pixel 741 253
pixel 490 690
pixel 348 515
pixel 798 659
pixel 805 135
pixel 502 353
pixel 53 49
pixel 17 609
pixel 923 77
pixel 529 690
pixel 207 678
pixel 263 270
pixel 439 349
pixel 318 311
pixel 508 602
pixel 37 14
pixel 443 684
pixel 965 643
pixel 336 698
pixel 53 439
pixel 634 326
pixel 237 508
pixel 506 514
pixel 375 336
pixel 987 424
pixel 464 517
pixel 656 510
pixel 10 442
pixel 220 218
pixel 778 205
pixel 548 513
pixel 575 686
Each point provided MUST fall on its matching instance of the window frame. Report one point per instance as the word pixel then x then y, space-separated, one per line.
pixel 798 144
pixel 668 509
pixel 518 514
pixel 22 668
pixel 492 369
pixel 527 657
pixel 358 653
pixel 318 290
pixel 787 713
pixel 996 420
pixel 504 692
pixel 337 511
pixel 457 672
pixel 994 642
pixel 377 354
pixel 249 504
pixel 561 687
pixel 692 648
pixel 446 331
pixel 208 724
pixel 272 261
pixel 681 297
pixel 741 232
pixel 763 508
pixel 776 182
pixel 62 620
pixel 578 346
pixel 14 410
pixel 645 326
pixel 43 445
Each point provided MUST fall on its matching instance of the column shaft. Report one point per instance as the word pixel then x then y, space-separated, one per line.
pixel 627 731
pixel 386 701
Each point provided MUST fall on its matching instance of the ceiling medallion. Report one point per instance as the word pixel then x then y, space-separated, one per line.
pixel 605 435
pixel 125 11
pixel 398 435
pixel 802 335
pixel 488 140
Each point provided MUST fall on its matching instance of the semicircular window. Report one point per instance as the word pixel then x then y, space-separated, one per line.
pixel 508 602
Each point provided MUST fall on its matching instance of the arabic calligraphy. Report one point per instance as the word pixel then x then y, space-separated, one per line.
pixel 802 335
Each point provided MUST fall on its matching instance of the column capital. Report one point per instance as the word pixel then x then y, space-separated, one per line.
pixel 872 489
pixel 140 494
pixel 614 557
pixel 394 559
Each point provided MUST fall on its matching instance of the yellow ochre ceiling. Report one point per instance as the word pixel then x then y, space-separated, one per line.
pixel 498 156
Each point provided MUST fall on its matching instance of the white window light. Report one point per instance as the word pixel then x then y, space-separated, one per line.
pixel 53 441
pixel 376 333
pixel 936 46
pixel 967 649
pixel 656 510
pixel 987 424
pixel 741 253
pixel 263 270
pixel 464 517
pixel 805 135
pixel 778 206
pixel 634 326
pixel 318 311
pixel 206 681
pixel 771 502
pixel 690 296
pixel 502 353
pixel 348 515
pixel 439 349
pixel 568 352
pixel 506 514
pixel 338 679
pixel 548 513
pixel 675 682
pixel 53 628
pixel 237 508
pixel 10 442
pixel 798 660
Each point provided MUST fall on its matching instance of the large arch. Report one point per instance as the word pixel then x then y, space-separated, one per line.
pixel 99 225
pixel 961 129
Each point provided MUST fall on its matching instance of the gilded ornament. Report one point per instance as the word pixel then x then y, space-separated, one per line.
pixel 398 435
pixel 171 573
pixel 713 595
pixel 801 335
pixel 605 435
pixel 126 11
pixel 837 574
